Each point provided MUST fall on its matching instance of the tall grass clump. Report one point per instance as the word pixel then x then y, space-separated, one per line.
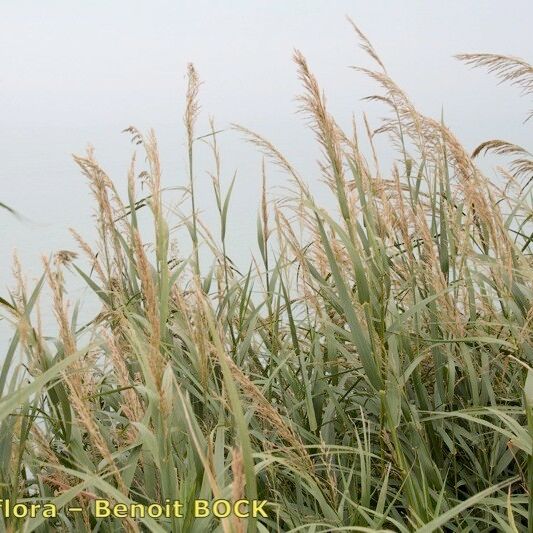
pixel 370 371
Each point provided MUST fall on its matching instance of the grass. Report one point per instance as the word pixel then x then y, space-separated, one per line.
pixel 370 371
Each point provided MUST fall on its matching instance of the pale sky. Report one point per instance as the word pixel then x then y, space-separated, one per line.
pixel 73 72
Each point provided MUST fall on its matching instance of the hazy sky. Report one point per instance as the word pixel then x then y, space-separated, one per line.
pixel 73 72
